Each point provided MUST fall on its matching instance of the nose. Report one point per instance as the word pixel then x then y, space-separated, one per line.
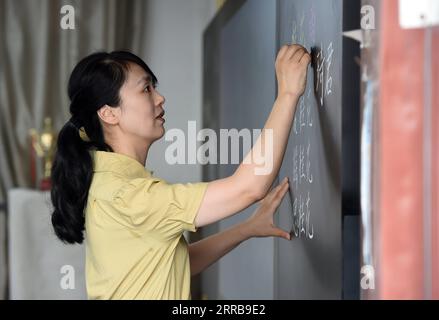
pixel 160 100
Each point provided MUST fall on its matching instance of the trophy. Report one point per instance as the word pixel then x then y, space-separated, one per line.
pixel 44 146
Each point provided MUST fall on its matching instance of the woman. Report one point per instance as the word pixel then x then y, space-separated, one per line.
pixel 134 222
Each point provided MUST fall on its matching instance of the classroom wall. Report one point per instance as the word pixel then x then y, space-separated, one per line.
pixel 173 47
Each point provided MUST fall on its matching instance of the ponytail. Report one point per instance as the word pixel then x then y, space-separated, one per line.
pixel 72 172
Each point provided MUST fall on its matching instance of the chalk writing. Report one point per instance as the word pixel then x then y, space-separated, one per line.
pixel 303 31
pixel 302 217
pixel 323 63
pixel 302 169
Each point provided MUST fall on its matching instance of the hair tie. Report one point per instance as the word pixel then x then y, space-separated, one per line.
pixel 77 124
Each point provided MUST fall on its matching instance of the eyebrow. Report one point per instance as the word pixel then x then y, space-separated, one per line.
pixel 146 79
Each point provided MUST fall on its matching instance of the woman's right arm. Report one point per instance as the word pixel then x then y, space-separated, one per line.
pixel 225 197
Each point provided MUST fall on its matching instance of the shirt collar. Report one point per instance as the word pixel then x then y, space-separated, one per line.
pixel 104 161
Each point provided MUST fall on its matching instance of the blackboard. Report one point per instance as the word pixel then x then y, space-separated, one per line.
pixel 312 266
pixel 321 160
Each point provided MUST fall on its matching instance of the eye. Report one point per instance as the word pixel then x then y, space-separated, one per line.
pixel 147 88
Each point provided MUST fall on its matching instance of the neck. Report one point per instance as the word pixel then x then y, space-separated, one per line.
pixel 138 152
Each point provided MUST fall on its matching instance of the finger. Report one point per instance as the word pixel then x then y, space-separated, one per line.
pixel 279 187
pixel 298 55
pixel 283 182
pixel 278 232
pixel 277 199
pixel 275 190
pixel 306 59
pixel 282 189
pixel 282 51
pixel 292 50
pixel 285 188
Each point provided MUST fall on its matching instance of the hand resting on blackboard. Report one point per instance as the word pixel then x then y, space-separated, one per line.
pixel 261 224
pixel 205 252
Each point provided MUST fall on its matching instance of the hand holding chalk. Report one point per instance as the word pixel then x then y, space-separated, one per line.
pixel 291 69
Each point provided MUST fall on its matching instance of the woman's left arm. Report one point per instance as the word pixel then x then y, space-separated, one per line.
pixel 205 252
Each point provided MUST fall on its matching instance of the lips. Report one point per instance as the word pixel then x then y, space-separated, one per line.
pixel 161 115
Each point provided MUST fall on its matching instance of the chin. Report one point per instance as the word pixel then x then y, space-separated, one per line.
pixel 160 135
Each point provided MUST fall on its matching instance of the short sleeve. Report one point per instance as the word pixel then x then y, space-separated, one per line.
pixel 153 204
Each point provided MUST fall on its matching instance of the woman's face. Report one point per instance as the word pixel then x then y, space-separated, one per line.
pixel 141 107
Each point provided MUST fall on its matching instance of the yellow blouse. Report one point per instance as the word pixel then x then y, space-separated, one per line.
pixel 135 248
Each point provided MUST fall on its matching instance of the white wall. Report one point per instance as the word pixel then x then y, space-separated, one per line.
pixel 173 50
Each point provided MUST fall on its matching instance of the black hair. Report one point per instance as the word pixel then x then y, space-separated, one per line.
pixel 95 81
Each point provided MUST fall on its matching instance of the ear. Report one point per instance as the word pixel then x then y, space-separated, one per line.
pixel 109 115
